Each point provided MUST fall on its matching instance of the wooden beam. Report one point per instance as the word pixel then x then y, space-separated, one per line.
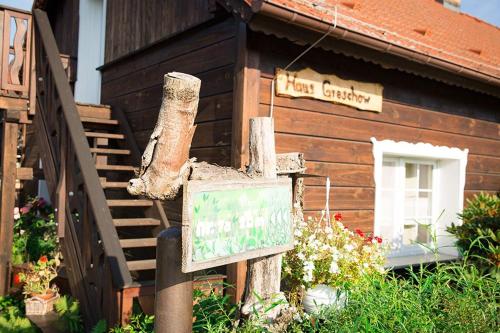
pixel 7 201
pixel 13 103
pixel 245 106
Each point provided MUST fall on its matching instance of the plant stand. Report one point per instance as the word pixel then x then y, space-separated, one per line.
pixel 39 306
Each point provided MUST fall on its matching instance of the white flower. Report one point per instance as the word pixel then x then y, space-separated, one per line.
pixel 348 247
pixel 334 267
pixel 297 232
pixel 301 256
pixel 17 215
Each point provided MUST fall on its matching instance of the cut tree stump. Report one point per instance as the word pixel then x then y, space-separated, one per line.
pixel 165 163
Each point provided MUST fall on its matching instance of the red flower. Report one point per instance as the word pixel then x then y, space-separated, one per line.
pixel 338 217
pixel 43 259
pixel 17 279
pixel 369 239
pixel 378 239
pixel 359 232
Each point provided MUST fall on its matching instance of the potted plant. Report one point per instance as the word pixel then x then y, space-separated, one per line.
pixel 37 286
pixel 327 258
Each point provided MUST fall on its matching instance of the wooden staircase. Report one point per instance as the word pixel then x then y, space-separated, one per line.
pixel 89 154
pixel 116 159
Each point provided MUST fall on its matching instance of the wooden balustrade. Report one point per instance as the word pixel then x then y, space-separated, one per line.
pixel 15 62
pixel 91 247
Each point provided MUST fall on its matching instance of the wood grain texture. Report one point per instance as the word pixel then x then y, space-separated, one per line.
pixel 131 25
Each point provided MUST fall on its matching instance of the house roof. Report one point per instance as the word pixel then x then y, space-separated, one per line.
pixel 423 27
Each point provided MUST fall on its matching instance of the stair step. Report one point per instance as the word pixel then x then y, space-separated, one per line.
pixel 115 167
pixel 130 203
pixel 99 121
pixel 109 151
pixel 137 222
pixel 106 184
pixel 94 110
pixel 141 265
pixel 138 242
pixel 116 136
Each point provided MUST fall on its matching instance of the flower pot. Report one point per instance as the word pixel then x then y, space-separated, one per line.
pixel 323 296
pixel 40 304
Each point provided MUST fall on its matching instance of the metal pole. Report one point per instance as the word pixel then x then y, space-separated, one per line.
pixel 174 289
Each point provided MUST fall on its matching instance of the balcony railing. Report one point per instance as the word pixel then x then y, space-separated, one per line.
pixel 16 52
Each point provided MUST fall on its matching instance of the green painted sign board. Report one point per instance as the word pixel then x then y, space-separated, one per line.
pixel 230 221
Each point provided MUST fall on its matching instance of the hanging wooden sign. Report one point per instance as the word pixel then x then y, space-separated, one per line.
pixel 311 84
pixel 229 221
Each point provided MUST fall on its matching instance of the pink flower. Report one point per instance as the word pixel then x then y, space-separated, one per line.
pixel 25 210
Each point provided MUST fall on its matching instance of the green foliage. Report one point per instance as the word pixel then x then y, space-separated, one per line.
pixel 100 327
pixel 12 316
pixel 478 237
pixel 213 313
pixel 34 232
pixel 450 298
pixel 139 323
pixel 68 310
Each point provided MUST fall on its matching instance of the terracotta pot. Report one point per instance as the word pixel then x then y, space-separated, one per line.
pixel 323 296
pixel 45 296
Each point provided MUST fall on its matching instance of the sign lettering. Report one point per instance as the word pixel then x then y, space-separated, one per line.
pixel 311 84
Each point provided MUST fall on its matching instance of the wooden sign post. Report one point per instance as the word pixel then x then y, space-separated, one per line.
pixel 228 215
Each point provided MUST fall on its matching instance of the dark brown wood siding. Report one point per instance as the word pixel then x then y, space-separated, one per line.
pixel 135 86
pixel 132 24
pixel 336 138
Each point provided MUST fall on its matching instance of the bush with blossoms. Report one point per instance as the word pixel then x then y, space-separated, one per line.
pixel 326 252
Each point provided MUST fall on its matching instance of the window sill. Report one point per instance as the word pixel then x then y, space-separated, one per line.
pixel 413 260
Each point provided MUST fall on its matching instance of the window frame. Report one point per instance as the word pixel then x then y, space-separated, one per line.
pixel 419 153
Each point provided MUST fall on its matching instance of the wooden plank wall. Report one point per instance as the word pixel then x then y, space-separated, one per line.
pixel 133 24
pixel 135 85
pixel 336 139
pixel 63 16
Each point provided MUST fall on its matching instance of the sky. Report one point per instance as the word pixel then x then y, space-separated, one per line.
pixel 487 10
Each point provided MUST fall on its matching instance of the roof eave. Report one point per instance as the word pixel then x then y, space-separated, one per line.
pixel 306 22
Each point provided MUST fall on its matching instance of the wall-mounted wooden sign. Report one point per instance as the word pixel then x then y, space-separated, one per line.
pixel 311 84
pixel 229 221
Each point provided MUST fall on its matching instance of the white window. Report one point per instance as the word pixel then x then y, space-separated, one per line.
pixel 419 191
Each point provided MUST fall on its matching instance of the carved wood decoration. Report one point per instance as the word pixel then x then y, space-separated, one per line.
pixel 16 56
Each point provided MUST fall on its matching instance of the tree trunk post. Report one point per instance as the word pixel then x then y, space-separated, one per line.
pixel 173 288
pixel 264 274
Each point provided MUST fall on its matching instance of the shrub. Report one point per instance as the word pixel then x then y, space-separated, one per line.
pixel 327 253
pixel 12 317
pixel 34 232
pixel 478 237
pixel 68 310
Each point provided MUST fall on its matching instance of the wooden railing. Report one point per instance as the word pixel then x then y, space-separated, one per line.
pixel 15 61
pixel 91 248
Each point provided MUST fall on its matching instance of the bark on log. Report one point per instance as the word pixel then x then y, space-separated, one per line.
pixel 165 163
pixel 263 274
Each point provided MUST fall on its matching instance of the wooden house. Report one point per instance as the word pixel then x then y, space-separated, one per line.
pixel 400 167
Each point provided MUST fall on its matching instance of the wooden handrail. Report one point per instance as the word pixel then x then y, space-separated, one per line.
pixel 102 216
